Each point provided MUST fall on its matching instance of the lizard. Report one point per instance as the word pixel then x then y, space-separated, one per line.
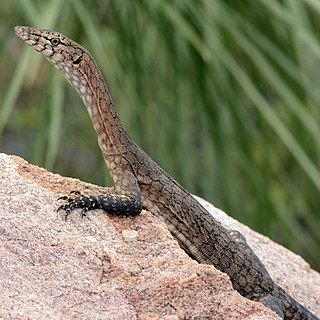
pixel 139 183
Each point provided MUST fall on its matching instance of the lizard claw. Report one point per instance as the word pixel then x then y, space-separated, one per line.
pixel 70 199
pixel 62 198
pixel 76 192
pixel 83 212
pixel 66 210
pixel 74 202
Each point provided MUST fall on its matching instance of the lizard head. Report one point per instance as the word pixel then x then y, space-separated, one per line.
pixel 70 58
pixel 57 48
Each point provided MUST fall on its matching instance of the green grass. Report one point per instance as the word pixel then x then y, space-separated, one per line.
pixel 224 95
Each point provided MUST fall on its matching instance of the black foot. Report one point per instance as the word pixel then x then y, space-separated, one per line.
pixel 84 202
pixel 111 203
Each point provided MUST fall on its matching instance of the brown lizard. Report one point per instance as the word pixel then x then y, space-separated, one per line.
pixel 140 183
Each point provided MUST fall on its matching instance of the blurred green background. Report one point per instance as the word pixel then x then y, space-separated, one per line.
pixel 223 94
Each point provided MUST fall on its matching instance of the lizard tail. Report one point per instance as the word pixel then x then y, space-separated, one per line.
pixel 287 307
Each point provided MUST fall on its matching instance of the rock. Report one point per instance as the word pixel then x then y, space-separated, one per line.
pixel 107 267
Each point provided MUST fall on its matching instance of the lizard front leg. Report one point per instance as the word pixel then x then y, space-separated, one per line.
pixel 125 200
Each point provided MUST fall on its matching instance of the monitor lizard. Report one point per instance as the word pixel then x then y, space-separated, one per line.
pixel 140 183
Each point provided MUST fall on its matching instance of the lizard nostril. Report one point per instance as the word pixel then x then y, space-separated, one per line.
pixel 78 60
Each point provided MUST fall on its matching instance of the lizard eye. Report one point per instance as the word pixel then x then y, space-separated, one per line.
pixel 55 41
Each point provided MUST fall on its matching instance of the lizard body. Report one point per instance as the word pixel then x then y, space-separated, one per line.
pixel 140 183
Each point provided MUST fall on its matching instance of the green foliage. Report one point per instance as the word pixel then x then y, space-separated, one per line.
pixel 224 95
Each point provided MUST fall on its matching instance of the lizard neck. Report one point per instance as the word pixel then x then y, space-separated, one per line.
pixel 113 138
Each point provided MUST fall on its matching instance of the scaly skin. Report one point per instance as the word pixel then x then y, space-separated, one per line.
pixel 140 183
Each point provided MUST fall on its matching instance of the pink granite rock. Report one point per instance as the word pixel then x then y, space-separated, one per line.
pixel 107 267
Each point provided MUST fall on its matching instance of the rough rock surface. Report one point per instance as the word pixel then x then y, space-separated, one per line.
pixel 106 267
